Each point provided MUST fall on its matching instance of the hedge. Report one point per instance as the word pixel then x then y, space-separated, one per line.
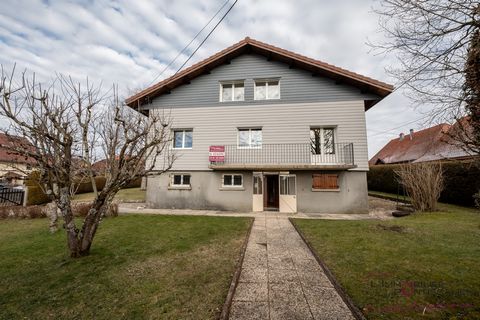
pixel 461 178
pixel 35 195
pixel 86 186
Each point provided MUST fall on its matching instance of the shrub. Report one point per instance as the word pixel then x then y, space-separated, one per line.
pixel 461 181
pixel 19 212
pixel 36 196
pixel 80 209
pixel 423 182
pixel 476 199
pixel 85 185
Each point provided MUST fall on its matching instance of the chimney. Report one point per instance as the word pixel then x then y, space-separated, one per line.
pixel 411 134
pixel 401 136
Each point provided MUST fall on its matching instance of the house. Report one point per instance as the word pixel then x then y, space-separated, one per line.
pixel 256 127
pixel 14 168
pixel 430 144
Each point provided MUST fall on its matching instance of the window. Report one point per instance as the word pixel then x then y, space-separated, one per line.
pixel 257 184
pixel 183 139
pixel 322 140
pixel 287 185
pixel 232 91
pixel 267 89
pixel 181 180
pixel 325 181
pixel 232 180
pixel 249 138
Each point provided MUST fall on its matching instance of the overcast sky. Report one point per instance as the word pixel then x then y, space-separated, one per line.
pixel 130 42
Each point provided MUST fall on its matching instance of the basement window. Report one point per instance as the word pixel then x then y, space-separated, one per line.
pixel 232 180
pixel 180 181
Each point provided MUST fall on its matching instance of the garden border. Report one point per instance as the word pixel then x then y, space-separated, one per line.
pixel 224 315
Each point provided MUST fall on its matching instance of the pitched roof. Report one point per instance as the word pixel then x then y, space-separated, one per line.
pixel 429 144
pixel 249 45
pixel 10 156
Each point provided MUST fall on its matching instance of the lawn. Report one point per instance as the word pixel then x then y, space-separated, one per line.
pixel 400 269
pixel 130 194
pixel 140 267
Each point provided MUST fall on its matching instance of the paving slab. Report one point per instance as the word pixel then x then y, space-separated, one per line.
pixel 281 279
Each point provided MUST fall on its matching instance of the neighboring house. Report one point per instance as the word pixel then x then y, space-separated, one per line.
pixel 431 144
pixel 256 127
pixel 14 168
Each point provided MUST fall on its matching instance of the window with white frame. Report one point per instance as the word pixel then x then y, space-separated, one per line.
pixel 232 91
pixel 232 180
pixel 267 89
pixel 250 138
pixel 180 180
pixel 183 139
pixel 322 140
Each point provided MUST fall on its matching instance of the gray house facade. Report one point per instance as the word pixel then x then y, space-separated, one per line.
pixel 258 128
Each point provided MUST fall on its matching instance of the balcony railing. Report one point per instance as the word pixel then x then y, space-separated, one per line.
pixel 296 154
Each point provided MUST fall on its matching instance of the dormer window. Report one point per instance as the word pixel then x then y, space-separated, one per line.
pixel 232 91
pixel 267 89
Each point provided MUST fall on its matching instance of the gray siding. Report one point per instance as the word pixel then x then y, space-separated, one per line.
pixel 281 123
pixel 296 85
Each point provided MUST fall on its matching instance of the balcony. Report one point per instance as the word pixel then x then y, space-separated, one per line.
pixel 289 156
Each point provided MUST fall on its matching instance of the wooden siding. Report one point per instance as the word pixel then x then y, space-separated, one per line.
pixel 280 123
pixel 296 86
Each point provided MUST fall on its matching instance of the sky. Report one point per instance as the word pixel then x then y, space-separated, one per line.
pixel 130 42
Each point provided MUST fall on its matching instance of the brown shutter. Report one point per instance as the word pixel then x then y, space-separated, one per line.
pixel 325 181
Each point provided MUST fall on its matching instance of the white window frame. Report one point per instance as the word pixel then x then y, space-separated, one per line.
pixel 233 83
pixel 231 185
pixel 182 185
pixel 322 138
pixel 249 138
pixel 266 89
pixel 183 139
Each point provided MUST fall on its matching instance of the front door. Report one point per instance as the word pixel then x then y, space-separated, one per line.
pixel 271 195
pixel 288 193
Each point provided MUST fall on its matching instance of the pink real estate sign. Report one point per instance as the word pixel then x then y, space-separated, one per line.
pixel 216 154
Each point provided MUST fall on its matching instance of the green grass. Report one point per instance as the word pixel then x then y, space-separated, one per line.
pixel 130 194
pixel 446 207
pixel 374 260
pixel 140 267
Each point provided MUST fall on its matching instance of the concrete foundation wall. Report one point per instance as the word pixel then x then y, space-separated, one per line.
pixel 207 193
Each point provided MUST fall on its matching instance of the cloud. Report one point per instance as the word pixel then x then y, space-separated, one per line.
pixel 130 42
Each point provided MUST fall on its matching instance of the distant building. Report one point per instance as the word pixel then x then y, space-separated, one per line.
pixel 14 168
pixel 431 144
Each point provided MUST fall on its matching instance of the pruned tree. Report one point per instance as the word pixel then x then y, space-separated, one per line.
pixel 70 125
pixel 436 43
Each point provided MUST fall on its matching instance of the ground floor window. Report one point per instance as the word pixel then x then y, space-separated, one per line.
pixel 180 180
pixel 325 181
pixel 232 180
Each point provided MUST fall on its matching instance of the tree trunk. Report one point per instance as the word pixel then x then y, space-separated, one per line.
pixel 90 225
pixel 65 207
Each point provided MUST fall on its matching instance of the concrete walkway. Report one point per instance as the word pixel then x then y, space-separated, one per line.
pixel 141 208
pixel 280 278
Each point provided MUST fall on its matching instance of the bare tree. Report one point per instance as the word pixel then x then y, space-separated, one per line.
pixel 70 125
pixel 431 40
pixel 423 182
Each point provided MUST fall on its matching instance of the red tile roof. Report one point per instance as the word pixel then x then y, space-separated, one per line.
pixel 250 45
pixel 429 144
pixel 9 156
